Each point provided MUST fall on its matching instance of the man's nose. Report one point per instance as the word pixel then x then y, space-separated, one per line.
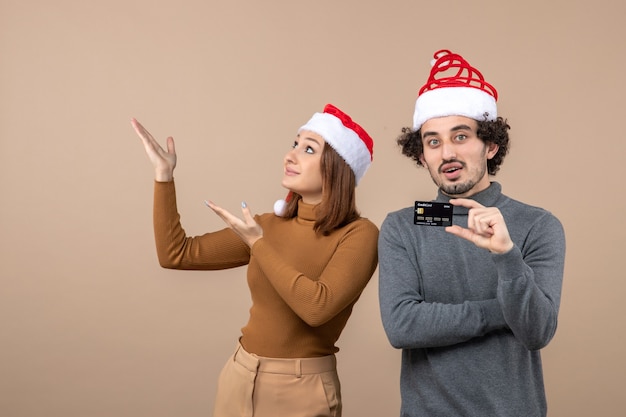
pixel 448 151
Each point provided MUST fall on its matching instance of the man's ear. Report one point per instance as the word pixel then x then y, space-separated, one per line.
pixel 492 150
pixel 422 160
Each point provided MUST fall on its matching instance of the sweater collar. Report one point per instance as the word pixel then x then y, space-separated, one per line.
pixel 486 197
pixel 306 211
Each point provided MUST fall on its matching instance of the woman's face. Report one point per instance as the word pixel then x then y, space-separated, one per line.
pixel 302 167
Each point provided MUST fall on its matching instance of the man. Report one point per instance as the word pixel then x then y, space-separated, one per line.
pixel 470 304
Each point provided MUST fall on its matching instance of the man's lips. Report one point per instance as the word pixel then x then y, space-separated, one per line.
pixel 451 170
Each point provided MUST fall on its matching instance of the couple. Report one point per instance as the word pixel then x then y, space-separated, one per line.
pixel 470 305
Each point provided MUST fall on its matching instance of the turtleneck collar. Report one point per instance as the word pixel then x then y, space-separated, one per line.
pixel 306 211
pixel 486 197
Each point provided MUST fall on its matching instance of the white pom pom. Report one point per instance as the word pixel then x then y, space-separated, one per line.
pixel 279 207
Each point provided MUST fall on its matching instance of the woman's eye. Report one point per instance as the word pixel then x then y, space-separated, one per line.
pixel 294 145
pixel 309 150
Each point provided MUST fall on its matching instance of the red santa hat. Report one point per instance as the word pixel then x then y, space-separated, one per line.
pixel 454 88
pixel 346 137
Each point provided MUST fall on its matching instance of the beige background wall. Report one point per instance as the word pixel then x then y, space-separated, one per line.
pixel 91 326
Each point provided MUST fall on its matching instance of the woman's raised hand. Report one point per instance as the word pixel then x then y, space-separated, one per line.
pixel 163 161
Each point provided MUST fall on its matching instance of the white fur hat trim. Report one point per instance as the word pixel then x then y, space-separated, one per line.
pixel 454 101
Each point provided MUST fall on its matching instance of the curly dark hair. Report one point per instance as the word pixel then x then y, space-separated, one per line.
pixel 496 131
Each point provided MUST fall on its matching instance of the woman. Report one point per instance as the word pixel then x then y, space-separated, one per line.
pixel 308 264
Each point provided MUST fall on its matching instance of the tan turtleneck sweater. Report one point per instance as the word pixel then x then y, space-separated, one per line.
pixel 303 285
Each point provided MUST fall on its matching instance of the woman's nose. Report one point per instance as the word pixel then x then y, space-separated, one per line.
pixel 290 156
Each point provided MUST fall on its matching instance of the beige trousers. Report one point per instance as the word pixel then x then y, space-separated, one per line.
pixel 254 386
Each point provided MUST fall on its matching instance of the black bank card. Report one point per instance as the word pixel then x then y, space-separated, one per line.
pixel 431 213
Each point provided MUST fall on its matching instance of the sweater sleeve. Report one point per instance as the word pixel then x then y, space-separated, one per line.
pixel 316 301
pixel 409 321
pixel 530 281
pixel 175 250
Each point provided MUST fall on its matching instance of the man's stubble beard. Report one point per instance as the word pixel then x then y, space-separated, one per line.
pixel 459 188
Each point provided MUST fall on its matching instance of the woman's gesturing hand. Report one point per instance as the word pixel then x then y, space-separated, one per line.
pixel 248 230
pixel 163 161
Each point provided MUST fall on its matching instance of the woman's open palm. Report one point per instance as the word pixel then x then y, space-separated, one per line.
pixel 163 161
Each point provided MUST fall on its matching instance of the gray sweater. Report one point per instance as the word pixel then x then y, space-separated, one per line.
pixel 470 323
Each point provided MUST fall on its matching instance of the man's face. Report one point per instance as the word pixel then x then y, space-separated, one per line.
pixel 455 156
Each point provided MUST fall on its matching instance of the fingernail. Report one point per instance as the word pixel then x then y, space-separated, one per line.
pixel 243 204
pixel 206 203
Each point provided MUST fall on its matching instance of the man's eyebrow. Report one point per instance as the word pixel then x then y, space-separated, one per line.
pixel 454 129
pixel 460 127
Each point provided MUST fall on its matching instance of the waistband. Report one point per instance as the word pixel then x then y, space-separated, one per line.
pixel 288 366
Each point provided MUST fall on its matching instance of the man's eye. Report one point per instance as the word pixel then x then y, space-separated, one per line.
pixel 433 142
pixel 461 137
